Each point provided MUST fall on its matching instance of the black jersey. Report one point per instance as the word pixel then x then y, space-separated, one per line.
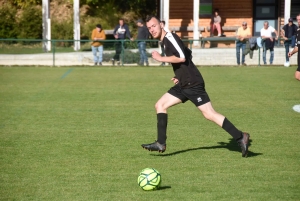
pixel 298 45
pixel 186 72
pixel 298 38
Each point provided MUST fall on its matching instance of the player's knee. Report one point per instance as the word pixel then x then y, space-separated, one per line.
pixel 208 115
pixel 297 75
pixel 158 106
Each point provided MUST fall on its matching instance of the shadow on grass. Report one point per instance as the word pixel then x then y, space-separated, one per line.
pixel 163 188
pixel 231 146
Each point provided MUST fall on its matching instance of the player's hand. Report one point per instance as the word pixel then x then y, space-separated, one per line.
pixel 156 56
pixel 116 36
pixel 289 54
pixel 175 80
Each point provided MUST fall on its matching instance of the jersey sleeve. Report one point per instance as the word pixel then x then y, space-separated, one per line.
pixel 176 45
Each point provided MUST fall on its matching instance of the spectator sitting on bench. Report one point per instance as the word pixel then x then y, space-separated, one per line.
pixel 215 23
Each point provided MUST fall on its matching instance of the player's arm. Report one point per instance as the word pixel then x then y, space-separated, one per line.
pixel 169 59
pixel 293 51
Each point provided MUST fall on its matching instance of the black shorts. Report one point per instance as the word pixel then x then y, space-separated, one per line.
pixel 196 94
pixel 298 69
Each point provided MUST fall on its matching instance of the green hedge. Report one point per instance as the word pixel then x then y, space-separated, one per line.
pixel 8 26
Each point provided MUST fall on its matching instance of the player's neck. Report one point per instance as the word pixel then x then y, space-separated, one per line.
pixel 163 33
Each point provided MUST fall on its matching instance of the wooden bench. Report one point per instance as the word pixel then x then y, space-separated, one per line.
pixel 182 28
pixel 226 28
pixel 217 39
pixel 109 32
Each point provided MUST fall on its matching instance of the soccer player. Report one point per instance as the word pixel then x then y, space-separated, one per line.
pixel 297 46
pixel 189 85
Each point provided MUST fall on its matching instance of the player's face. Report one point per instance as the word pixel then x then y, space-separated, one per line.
pixel 121 22
pixel 298 20
pixel 154 28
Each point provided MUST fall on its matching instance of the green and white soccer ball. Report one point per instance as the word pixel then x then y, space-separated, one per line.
pixel 149 179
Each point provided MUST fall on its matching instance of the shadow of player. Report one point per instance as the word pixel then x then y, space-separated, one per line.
pixel 231 146
pixel 163 188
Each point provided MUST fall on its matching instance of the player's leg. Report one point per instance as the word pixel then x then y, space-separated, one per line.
pixel 297 73
pixel 165 102
pixel 200 98
pixel 210 114
pixel 241 138
pixel 173 97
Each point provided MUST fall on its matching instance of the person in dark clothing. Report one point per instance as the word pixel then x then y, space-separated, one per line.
pixel 296 49
pixel 120 33
pixel 143 34
pixel 188 85
pixel 288 33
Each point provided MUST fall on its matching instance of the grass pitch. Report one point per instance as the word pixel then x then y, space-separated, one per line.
pixel 75 134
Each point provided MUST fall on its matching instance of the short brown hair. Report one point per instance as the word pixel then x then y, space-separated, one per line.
pixel 149 17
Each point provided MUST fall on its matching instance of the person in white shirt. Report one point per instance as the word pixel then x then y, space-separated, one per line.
pixel 268 41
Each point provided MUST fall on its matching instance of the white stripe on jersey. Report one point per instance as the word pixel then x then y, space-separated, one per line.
pixel 170 37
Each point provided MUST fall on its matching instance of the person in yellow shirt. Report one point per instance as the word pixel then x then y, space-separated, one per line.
pixel 243 34
pixel 97 35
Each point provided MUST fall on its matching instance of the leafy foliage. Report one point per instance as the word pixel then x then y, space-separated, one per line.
pixel 63 31
pixel 7 21
pixel 26 22
pixel 26 3
pixel 30 25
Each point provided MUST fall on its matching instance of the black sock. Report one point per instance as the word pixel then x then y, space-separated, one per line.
pixel 231 129
pixel 162 122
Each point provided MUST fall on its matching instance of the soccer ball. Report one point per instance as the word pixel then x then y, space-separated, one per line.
pixel 296 108
pixel 149 179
